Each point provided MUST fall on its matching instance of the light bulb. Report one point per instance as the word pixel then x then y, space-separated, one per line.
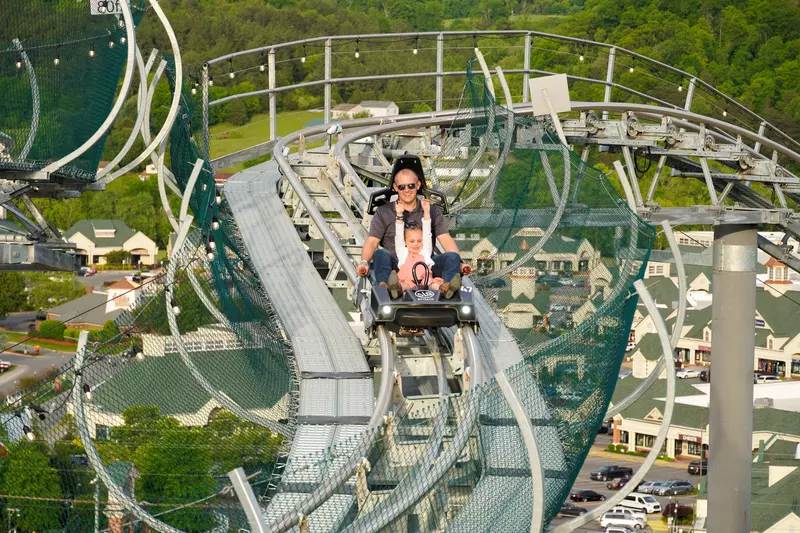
pixel 175 309
pixel 56 60
pixel 386 310
pixel 466 309
pixel 210 82
pixel 194 90
pixel 476 49
pixel 725 113
pixel 232 75
pixel 211 243
pixel 303 59
pixel 111 44
pixel 357 54
pixel 415 50
pixel 262 68
pixel 680 88
pixel 121 23
pixel 91 51
pixel 210 254
pixel 140 356
pixel 581 58
pixel 87 391
pixel 214 223
pixel 19 63
pixel 631 69
pixel 28 433
pixel 122 39
pixel 218 198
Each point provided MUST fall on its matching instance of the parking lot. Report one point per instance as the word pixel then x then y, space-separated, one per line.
pixel 661 471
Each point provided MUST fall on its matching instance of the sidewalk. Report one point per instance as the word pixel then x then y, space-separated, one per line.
pixel 619 457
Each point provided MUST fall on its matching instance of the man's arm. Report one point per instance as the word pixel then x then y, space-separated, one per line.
pixel 368 250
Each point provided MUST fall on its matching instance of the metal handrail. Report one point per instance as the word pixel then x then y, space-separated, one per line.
pixel 612 50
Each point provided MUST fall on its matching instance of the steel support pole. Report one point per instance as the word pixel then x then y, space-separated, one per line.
pixel 761 129
pixel 273 104
pixel 690 94
pixel 439 72
pixel 612 54
pixel 526 62
pixel 731 411
pixel 328 65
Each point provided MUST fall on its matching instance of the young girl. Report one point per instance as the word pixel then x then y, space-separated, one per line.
pixel 418 247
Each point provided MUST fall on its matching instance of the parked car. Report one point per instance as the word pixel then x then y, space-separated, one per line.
pixel 622 519
pixel 766 378
pixel 586 496
pixel 570 509
pixel 610 472
pixel 641 502
pixel 617 484
pixel 4 365
pixel 627 510
pixel 646 487
pixel 673 488
pixel 698 468
pixel 705 375
pixel 678 510
pixel 687 373
pixel 617 529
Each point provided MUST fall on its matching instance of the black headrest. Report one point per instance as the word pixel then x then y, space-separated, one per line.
pixel 412 162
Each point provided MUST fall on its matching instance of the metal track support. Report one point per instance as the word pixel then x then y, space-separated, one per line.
pixel 731 410
pixel 248 500
pixel 526 61
pixel 328 65
pixel 273 98
pixel 612 54
pixel 439 72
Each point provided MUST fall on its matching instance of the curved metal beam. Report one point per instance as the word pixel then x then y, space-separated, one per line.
pixel 487 75
pixel 23 154
pixel 384 400
pixel 91 452
pixel 176 97
pixel 143 105
pixel 509 104
pixel 534 458
pixel 130 30
pixel 645 385
pixel 663 337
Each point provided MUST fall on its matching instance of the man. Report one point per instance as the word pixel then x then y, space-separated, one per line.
pixel 382 232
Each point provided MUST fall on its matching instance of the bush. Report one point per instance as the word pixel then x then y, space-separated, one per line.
pixel 118 257
pixel 611 448
pixel 52 329
pixel 622 448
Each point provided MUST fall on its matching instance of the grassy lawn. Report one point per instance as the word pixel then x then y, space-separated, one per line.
pixel 254 132
pixel 14 338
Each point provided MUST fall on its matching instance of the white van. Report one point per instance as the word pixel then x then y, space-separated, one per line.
pixel 642 502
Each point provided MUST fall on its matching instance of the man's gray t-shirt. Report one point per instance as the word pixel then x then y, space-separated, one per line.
pixel 383 223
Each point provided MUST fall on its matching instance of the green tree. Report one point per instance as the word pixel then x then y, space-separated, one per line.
pixel 12 293
pixel 421 107
pixel 236 113
pixel 52 329
pixel 28 473
pixel 118 257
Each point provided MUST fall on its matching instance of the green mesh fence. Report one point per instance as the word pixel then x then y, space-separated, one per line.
pixel 154 402
pixel 60 68
pixel 555 252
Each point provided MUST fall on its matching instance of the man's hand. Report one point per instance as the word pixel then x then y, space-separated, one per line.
pixel 362 269
pixel 426 208
pixel 465 269
pixel 398 209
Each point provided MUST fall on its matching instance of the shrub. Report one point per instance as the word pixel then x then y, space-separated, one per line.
pixel 52 329
pixel 611 448
pixel 622 448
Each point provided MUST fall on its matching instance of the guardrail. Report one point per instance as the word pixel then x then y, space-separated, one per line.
pixel 583 46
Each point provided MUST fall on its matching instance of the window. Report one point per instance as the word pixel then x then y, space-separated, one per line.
pixel 694 448
pixel 706 335
pixel 769 344
pixel 705 355
pixel 683 240
pixel 567 266
pixel 583 265
pixel 645 441
pixel 678 447
pixel 101 432
pixel 623 437
pixel 541 265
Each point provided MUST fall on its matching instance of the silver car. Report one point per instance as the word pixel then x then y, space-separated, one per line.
pixel 647 487
pixel 672 488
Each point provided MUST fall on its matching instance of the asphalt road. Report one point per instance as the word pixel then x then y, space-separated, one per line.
pixel 26 365
pixel 660 471
pixel 96 281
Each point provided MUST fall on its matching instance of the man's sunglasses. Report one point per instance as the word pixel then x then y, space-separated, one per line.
pixel 410 186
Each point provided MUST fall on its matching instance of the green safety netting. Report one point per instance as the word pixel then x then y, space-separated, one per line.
pixel 555 252
pixel 60 69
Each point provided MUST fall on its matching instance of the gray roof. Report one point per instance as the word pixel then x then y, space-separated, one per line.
pixel 781 314
pixel 89 309
pixel 650 346
pixel 376 103
pixel 88 227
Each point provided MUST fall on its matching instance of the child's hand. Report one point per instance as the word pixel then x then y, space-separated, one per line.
pixel 398 209
pixel 426 208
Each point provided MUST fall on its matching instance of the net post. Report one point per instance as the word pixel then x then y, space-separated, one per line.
pixel 328 67
pixel 273 104
pixel 612 55
pixel 690 94
pixel 206 133
pixel 526 65
pixel 248 500
pixel 439 71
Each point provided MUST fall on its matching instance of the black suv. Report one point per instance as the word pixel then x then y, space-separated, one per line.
pixel 698 468
pixel 610 472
